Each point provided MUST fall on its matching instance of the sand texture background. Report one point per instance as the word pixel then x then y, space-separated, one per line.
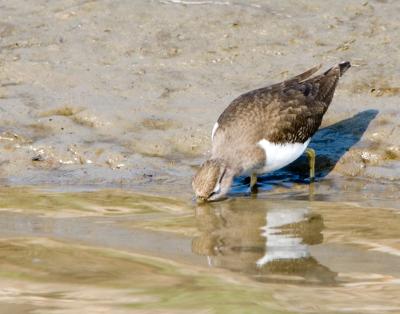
pixel 126 93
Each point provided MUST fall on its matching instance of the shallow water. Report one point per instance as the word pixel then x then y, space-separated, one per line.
pixel 125 252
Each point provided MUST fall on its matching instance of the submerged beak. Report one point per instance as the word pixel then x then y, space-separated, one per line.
pixel 200 199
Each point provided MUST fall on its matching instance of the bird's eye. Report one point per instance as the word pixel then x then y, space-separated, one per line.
pixel 217 188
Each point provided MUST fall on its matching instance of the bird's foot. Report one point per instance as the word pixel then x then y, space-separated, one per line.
pixel 253 183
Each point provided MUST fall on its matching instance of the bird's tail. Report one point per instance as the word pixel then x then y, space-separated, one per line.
pixel 344 66
pixel 328 82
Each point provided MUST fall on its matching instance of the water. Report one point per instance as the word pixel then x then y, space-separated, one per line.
pixel 125 252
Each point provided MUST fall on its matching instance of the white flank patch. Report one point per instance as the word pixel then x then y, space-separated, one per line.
pixel 215 127
pixel 280 155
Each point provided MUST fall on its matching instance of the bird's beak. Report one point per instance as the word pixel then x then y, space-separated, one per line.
pixel 200 199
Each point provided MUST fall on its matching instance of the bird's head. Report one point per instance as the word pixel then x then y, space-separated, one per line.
pixel 212 181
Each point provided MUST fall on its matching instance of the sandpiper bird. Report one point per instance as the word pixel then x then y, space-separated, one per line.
pixel 266 129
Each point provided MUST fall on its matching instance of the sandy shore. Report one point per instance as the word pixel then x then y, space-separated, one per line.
pixel 126 93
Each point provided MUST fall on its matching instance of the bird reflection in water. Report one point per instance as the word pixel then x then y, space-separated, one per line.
pixel 268 241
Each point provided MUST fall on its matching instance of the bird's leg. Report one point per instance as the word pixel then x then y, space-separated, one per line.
pixel 253 183
pixel 311 191
pixel 311 160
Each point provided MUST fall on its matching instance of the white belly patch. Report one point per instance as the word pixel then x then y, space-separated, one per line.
pixel 280 155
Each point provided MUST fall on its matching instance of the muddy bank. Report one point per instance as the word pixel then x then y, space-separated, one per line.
pixel 125 94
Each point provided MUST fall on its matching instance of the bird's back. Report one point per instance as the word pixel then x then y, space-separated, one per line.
pixel 290 111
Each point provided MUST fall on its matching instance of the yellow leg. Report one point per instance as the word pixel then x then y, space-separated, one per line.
pixel 253 182
pixel 311 160
pixel 311 191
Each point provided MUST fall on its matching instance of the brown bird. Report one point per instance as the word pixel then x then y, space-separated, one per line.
pixel 266 129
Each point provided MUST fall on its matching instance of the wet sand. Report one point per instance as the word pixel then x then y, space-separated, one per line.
pixel 99 93
pixel 106 111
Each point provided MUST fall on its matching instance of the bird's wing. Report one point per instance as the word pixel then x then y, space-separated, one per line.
pixel 290 111
pixel 298 105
